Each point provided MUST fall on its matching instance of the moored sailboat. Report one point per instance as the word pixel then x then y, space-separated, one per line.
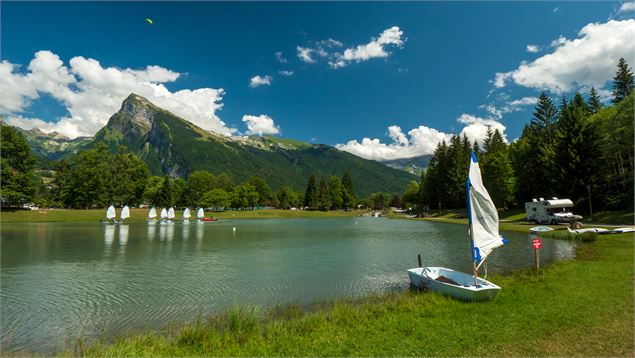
pixel 152 215
pixel 484 237
pixel 125 213
pixel 186 215
pixel 171 214
pixel 164 215
pixel 110 214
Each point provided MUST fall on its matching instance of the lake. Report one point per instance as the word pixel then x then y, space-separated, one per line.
pixel 60 281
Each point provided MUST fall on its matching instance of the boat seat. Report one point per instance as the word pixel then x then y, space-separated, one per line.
pixel 444 279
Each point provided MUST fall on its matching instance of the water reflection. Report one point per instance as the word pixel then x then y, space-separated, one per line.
pixel 109 235
pixel 186 230
pixel 152 230
pixel 123 234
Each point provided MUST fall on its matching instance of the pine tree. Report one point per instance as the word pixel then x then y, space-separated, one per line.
pixel 348 192
pixel 594 102
pixel 311 194
pixel 622 82
pixel 324 197
pixel 576 146
pixel 165 196
pixel 545 117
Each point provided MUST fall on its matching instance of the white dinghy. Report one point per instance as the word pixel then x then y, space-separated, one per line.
pixel 200 214
pixel 170 214
pixel 164 215
pixel 599 230
pixel 186 215
pixel 110 214
pixel 125 213
pixel 484 237
pixel 152 215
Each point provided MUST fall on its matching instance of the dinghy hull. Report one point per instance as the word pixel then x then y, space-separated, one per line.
pixel 452 283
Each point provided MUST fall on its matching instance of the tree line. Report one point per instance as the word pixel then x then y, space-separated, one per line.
pixel 577 149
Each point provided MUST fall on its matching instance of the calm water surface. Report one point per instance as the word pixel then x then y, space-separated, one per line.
pixel 60 281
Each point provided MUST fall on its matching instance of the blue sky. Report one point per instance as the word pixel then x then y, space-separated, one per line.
pixel 434 75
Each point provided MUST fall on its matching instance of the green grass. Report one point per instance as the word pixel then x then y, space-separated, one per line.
pixel 624 217
pixel 578 307
pixel 70 215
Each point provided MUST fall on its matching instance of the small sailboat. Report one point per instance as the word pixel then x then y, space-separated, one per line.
pixel 164 215
pixel 484 237
pixel 152 215
pixel 186 215
pixel 125 213
pixel 200 214
pixel 110 214
pixel 170 214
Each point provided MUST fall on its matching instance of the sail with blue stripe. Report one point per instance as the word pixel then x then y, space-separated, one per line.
pixel 483 217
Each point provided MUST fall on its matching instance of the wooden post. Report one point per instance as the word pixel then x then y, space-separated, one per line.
pixel 588 188
pixel 419 260
pixel 537 259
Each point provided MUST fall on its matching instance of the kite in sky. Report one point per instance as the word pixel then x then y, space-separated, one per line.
pixel 149 21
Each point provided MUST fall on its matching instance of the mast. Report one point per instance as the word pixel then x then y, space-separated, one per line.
pixel 470 232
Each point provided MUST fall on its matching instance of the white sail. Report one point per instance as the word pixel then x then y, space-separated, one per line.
pixel 171 213
pixel 200 213
pixel 164 213
pixel 483 216
pixel 125 212
pixel 186 213
pixel 110 213
pixel 152 213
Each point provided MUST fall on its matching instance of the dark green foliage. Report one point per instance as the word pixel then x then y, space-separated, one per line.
pixel 216 199
pixel 18 163
pixel 411 197
pixel 396 201
pixel 264 192
pixel 311 194
pixel 165 195
pixel 244 196
pixel 324 197
pixel 289 198
pixel 594 102
pixel 349 199
pixel 128 180
pixel 336 192
pixel 498 174
pixel 622 82
pixel 576 146
pixel 533 154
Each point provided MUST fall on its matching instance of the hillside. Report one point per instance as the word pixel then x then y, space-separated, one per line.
pixel 171 145
pixel 52 146
pixel 413 165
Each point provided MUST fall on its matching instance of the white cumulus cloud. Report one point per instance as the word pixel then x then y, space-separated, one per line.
pixel 533 48
pixel 260 125
pixel 476 127
pixel 376 48
pixel 258 80
pixel 280 57
pixel 589 60
pixel 627 7
pixel 91 93
pixel 422 141
pixel 304 54
pixel 286 73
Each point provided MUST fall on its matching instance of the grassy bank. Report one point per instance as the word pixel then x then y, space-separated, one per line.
pixel 579 307
pixel 70 215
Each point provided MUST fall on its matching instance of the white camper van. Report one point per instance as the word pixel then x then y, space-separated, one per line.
pixel 552 211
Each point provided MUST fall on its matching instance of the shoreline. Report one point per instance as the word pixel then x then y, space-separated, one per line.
pixel 140 215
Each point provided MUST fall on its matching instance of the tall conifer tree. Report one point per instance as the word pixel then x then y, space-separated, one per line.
pixel 622 82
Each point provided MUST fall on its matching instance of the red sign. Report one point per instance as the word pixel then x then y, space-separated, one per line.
pixel 537 243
